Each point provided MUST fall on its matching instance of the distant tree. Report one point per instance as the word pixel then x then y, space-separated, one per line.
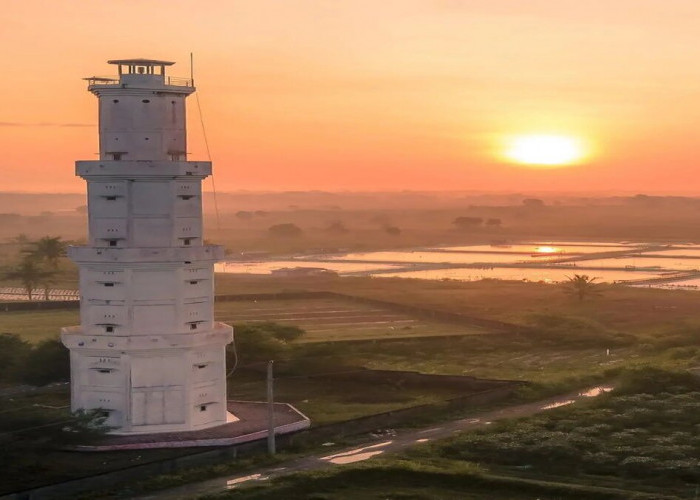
pixel 30 273
pixel 48 249
pixel 493 222
pixel 337 227
pixel 468 222
pixel 244 215
pixel 261 213
pixel 582 286
pixel 533 202
pixel 81 209
pixel 21 238
pixel 392 230
pixel 287 230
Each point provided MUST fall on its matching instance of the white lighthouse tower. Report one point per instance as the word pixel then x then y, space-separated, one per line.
pixel 147 350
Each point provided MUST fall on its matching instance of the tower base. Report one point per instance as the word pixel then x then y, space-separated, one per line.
pixel 251 425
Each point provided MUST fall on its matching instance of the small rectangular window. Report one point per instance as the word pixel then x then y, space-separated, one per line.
pixel 110 198
pixel 193 326
pixel 108 284
pixel 113 243
pixel 109 329
pixel 203 408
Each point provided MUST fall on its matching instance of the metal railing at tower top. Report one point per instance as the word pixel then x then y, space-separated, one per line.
pixel 114 80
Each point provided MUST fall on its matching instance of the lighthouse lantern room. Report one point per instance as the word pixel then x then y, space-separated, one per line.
pixel 147 352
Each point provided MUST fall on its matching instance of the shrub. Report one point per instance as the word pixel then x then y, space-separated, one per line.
pixel 47 362
pixel 13 353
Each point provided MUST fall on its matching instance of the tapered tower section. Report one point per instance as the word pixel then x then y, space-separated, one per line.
pixel 147 350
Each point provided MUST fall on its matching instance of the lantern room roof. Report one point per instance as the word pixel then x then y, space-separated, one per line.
pixel 141 62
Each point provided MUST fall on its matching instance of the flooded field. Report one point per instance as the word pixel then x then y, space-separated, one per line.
pixel 641 264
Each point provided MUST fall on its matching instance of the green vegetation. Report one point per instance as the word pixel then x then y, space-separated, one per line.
pixel 35 326
pixel 640 441
pixel 332 320
pixel 40 364
pixel 565 346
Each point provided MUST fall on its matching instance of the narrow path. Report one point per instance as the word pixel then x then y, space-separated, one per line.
pixel 387 442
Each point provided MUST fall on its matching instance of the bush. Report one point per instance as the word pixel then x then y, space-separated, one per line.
pixel 47 362
pixel 581 331
pixel 262 341
pixel 13 353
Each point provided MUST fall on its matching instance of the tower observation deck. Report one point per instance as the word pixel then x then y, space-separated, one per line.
pixel 147 351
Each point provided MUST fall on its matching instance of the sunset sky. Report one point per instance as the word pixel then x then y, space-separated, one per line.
pixel 372 95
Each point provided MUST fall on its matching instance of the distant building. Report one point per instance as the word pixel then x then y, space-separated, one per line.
pixel 147 350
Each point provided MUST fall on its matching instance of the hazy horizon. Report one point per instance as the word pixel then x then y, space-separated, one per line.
pixel 359 96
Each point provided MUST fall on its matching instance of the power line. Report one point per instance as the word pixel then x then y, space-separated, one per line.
pixel 206 144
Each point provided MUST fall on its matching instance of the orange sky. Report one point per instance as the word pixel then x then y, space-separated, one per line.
pixel 371 95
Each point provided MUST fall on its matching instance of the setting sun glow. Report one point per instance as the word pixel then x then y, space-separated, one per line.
pixel 545 150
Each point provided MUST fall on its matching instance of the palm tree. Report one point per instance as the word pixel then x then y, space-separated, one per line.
pixel 30 274
pixel 49 249
pixel 582 286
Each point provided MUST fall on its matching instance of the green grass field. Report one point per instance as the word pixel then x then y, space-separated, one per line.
pixel 326 320
pixel 35 326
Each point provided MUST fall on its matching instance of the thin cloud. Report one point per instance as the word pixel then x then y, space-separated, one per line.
pixel 45 124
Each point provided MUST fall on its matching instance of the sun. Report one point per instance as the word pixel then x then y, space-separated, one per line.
pixel 545 150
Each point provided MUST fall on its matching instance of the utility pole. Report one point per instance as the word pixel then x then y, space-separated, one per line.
pixel 270 411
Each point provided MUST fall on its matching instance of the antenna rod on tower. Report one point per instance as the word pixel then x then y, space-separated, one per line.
pixel 192 68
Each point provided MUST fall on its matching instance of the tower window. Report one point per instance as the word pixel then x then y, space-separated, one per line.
pixel 113 243
pixel 186 241
pixel 108 284
pixel 193 326
pixel 203 408
pixel 110 198
pixel 145 101
pixel 109 329
pixel 116 156
pixel 115 101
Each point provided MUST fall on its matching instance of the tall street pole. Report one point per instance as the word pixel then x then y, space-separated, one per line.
pixel 270 411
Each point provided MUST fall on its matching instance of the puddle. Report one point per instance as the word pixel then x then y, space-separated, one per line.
pixel 231 483
pixel 558 404
pixel 590 393
pixel 596 391
pixel 356 455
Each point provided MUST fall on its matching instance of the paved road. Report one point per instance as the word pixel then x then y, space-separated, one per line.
pixel 387 442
